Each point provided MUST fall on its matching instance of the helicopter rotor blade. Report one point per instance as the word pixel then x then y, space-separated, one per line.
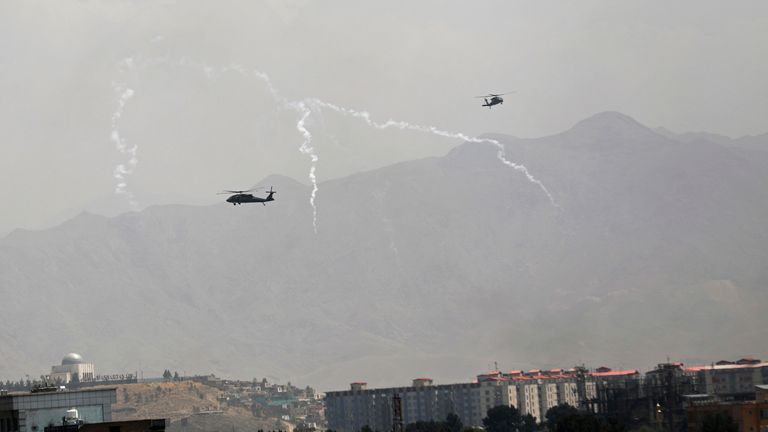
pixel 237 191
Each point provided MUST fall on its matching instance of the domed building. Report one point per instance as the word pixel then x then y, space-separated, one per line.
pixel 72 368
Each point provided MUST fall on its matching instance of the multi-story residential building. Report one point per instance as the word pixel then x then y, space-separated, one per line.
pixel 349 411
pixel 555 387
pixel 610 390
pixel 533 392
pixel 567 394
pixel 528 398
pixel 659 397
pixel 537 391
pixel 548 397
pixel 621 394
pixel 735 379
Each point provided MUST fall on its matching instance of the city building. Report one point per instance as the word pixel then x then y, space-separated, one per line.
pixel 665 391
pixel 532 393
pixel 72 368
pixel 749 416
pixel 567 394
pixel 528 401
pixel 147 425
pixel 36 410
pixel 613 391
pixel 349 411
pixel 735 379
pixel 661 397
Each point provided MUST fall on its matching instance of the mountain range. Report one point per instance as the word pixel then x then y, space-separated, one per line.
pixel 657 247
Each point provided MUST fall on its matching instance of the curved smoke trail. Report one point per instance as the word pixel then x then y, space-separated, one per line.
pixel 301 108
pixel 306 148
pixel 123 170
pixel 304 109
pixel 501 154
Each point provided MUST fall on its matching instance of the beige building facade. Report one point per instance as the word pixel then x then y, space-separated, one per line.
pixel 72 368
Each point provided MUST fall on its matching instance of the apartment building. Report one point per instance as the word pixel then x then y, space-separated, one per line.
pixel 730 378
pixel 533 392
pixel 349 411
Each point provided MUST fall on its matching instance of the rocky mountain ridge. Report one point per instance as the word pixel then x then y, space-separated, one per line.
pixel 433 267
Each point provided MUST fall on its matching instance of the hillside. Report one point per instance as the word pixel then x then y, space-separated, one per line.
pixel 190 407
pixel 171 400
pixel 433 267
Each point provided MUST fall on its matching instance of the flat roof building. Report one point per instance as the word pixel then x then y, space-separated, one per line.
pixel 730 378
pixel 349 411
pixel 146 425
pixel 749 416
pixel 530 392
pixel 36 410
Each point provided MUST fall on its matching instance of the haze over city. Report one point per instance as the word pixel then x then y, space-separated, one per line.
pixel 326 193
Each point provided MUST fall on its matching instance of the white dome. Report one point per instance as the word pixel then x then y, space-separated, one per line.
pixel 72 358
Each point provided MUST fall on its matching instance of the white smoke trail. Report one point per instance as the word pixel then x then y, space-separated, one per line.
pixel 304 109
pixel 123 170
pixel 306 148
pixel 501 154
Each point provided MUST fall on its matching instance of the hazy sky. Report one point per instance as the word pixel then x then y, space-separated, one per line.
pixel 689 65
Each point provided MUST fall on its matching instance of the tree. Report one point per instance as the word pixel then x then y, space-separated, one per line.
pixel 528 424
pixel 613 425
pixel 424 426
pixel 453 423
pixel 167 375
pixel 502 419
pixel 718 422
pixel 645 428
pixel 556 413
pixel 176 376
pixel 581 422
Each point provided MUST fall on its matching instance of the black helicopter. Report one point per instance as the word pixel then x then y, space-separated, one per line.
pixel 242 196
pixel 496 99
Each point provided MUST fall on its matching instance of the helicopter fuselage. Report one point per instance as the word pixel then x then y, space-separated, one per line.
pixel 249 198
pixel 493 101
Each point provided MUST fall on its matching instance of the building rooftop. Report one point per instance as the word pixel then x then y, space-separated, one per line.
pixel 72 359
pixel 615 373
pixel 726 366
pixel 58 391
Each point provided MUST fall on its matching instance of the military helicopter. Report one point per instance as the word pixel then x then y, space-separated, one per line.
pixel 242 196
pixel 496 99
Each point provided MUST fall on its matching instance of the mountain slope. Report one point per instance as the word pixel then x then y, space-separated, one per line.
pixel 436 266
